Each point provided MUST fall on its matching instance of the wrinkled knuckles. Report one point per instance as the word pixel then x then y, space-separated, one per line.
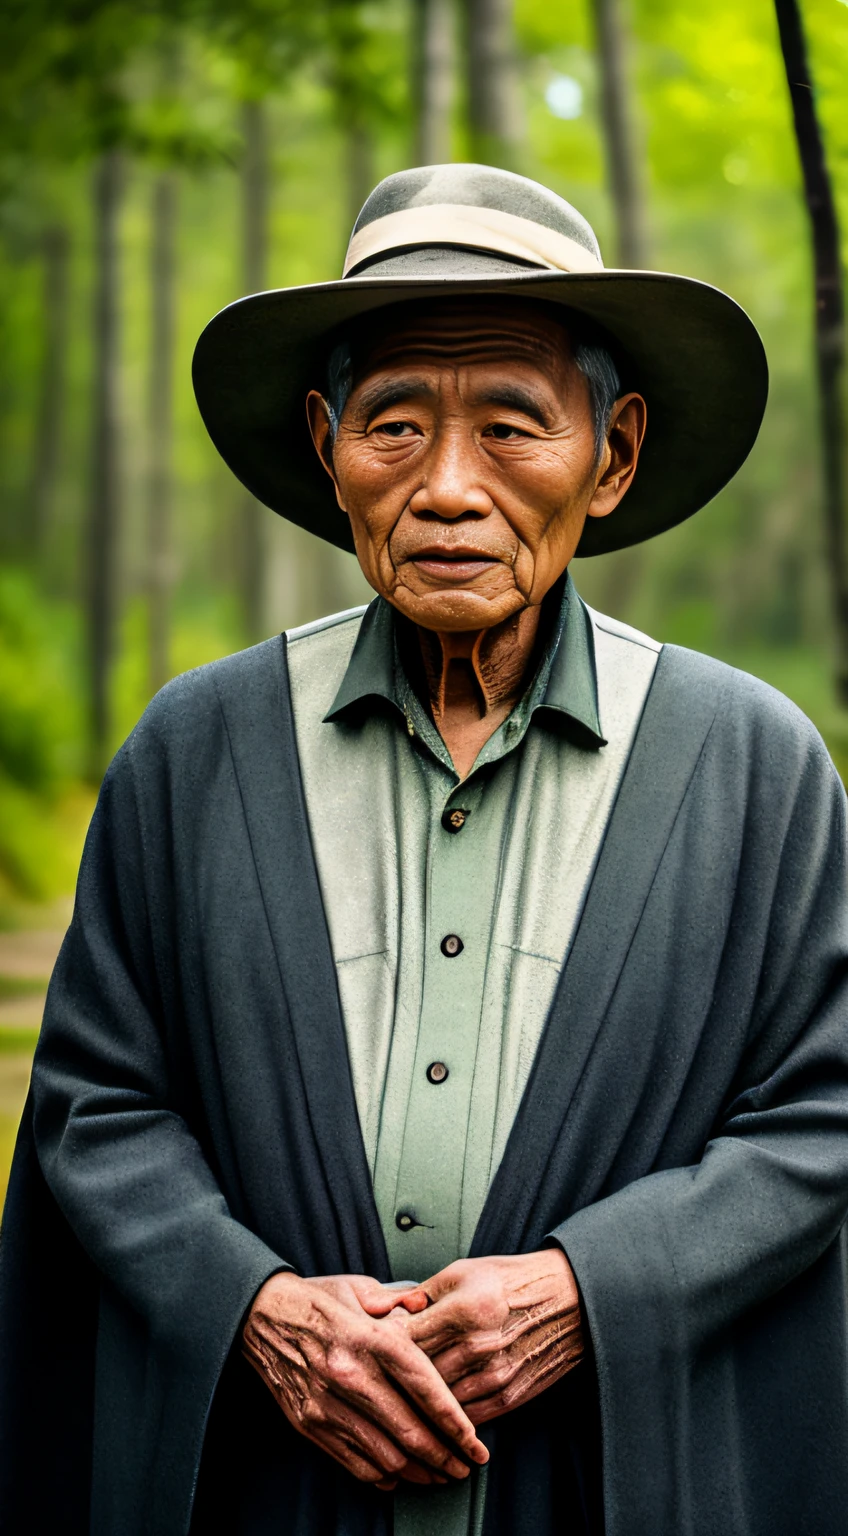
pixel 484 1310
pixel 343 1368
pixel 484 1346
pixel 312 1415
pixel 501 1373
pixel 510 1396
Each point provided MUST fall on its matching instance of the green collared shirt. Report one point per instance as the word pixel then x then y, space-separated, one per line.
pixel 451 905
pixel 563 693
pixel 438 1118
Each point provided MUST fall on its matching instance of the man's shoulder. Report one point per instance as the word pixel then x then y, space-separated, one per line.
pixel 192 717
pixel 754 716
pixel 624 634
pixel 745 707
pixel 334 629
pixel 327 642
pixel 318 657
pixel 198 700
pixel 193 694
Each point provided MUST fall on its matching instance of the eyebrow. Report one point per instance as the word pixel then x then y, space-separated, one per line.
pixel 513 397
pixel 382 395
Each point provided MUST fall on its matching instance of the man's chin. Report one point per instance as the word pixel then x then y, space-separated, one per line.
pixel 457 610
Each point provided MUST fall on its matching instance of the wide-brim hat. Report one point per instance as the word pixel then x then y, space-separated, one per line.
pixel 464 231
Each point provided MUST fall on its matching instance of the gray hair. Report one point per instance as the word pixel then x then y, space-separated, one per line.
pixel 599 371
pixel 594 362
pixel 339 383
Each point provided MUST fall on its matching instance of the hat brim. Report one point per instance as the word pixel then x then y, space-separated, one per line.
pixel 695 355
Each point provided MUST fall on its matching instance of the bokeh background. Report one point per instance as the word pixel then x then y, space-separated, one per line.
pixel 159 160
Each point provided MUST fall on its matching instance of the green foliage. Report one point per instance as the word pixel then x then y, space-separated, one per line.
pixel 745 579
pixel 42 812
pixel 18 1042
pixel 39 714
pixel 14 987
pixel 40 844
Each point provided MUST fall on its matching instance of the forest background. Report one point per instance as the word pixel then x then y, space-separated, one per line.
pixel 158 161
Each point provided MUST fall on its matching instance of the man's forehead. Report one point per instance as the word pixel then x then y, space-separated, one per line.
pixel 477 329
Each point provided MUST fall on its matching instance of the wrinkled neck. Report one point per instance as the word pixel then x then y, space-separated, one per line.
pixel 481 674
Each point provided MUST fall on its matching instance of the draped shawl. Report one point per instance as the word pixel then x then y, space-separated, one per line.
pixel 684 1135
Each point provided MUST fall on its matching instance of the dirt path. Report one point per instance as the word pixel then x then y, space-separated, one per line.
pixel 26 960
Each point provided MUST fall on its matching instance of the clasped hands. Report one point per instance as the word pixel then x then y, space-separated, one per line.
pixel 392 1383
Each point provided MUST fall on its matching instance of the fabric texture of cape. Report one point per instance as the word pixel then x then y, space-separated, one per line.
pixel 684 1135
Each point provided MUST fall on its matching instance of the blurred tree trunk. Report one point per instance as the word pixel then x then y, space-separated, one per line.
pixel 829 320
pixel 494 109
pixel 433 79
pixel 316 576
pixel 623 570
pixel 256 187
pixel 56 247
pixel 317 572
pixel 160 419
pixel 347 73
pixel 105 486
pixel 359 166
pixel 620 138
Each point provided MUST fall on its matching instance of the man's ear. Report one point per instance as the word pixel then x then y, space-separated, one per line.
pixel 625 434
pixel 321 428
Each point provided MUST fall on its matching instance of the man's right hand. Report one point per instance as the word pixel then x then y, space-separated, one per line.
pixel 342 1376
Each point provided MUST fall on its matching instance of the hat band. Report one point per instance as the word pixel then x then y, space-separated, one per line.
pixel 486 229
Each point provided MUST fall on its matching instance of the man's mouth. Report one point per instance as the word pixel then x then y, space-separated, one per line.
pixel 453 565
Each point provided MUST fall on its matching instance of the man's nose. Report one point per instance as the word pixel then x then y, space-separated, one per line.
pixel 450 486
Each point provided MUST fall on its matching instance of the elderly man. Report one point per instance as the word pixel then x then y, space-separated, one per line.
pixel 440 1122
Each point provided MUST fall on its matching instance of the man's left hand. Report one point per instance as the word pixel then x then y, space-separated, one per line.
pixel 500 1330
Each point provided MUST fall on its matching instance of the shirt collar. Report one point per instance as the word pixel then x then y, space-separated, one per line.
pixel 563 693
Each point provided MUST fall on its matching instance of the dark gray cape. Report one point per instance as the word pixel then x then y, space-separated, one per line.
pixel 684 1134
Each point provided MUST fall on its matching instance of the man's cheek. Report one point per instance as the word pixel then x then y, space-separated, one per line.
pixel 374 517
pixel 372 538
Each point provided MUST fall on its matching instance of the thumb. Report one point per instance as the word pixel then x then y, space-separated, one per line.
pixel 379 1300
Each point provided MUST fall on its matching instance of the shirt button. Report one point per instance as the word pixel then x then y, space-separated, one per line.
pixel 405 1222
pixel 437 1072
pixel 451 945
pixel 454 821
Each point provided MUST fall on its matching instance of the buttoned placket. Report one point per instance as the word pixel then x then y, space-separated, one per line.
pixel 436 1121
pixel 463 864
pixel 431 1188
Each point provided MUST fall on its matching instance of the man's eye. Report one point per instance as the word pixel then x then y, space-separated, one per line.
pixel 502 430
pixel 394 428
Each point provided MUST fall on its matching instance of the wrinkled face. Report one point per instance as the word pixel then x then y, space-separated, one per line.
pixel 465 459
